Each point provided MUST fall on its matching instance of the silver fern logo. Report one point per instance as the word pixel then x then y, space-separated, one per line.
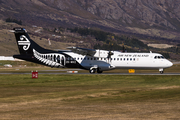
pixel 24 42
pixel 50 59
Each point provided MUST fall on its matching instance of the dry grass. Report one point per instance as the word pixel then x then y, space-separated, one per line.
pixel 160 46
pixel 155 32
pixel 89 97
pixel 58 109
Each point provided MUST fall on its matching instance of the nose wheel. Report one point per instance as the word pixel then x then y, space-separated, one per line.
pixel 161 71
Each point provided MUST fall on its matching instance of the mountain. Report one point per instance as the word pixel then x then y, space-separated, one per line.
pixel 160 18
pixel 150 21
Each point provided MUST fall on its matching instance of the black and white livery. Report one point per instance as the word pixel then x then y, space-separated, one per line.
pixel 88 59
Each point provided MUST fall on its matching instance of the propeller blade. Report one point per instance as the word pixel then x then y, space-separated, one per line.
pixel 110 54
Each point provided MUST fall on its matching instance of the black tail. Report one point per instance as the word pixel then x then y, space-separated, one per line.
pixel 25 44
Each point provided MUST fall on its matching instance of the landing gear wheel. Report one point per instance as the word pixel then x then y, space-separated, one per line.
pixel 99 71
pixel 92 70
pixel 161 70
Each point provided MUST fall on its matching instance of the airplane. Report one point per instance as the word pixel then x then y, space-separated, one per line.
pixel 83 58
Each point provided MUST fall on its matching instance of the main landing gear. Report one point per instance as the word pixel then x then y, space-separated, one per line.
pixel 93 70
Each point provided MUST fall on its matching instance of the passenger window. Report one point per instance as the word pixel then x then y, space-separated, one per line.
pixel 130 59
pixel 127 59
pixel 124 59
pixel 114 58
pixel 134 59
pixel 104 58
pixel 117 58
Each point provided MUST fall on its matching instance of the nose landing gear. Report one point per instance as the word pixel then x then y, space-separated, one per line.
pixel 161 71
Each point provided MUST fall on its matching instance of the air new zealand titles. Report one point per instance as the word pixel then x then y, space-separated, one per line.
pixel 88 59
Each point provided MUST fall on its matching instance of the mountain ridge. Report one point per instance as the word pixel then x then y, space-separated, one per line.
pixel 112 15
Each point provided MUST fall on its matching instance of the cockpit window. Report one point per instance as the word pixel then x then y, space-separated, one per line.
pixel 162 57
pixel 159 57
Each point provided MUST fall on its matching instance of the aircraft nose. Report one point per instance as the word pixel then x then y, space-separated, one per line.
pixel 170 64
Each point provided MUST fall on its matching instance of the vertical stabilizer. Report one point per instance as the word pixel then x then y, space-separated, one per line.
pixel 23 41
pixel 26 44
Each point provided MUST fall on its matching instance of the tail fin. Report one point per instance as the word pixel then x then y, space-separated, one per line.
pixel 31 51
pixel 25 44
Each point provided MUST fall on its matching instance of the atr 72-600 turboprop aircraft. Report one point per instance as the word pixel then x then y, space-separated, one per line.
pixel 88 59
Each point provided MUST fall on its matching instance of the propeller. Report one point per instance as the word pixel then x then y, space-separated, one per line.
pixel 123 48
pixel 110 53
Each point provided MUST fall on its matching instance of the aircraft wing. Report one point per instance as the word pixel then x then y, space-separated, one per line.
pixel 83 51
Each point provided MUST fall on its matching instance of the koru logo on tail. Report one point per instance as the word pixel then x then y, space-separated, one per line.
pixel 25 42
